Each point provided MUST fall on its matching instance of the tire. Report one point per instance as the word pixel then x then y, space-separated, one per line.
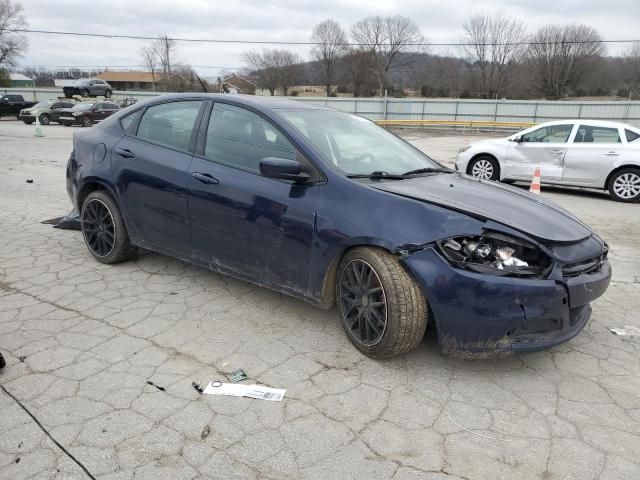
pixel 45 119
pixel 107 94
pixel 86 121
pixel 624 185
pixel 28 122
pixel 400 322
pixel 484 167
pixel 85 92
pixel 103 229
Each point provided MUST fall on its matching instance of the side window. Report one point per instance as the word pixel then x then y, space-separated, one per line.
pixel 130 122
pixel 549 134
pixel 169 124
pixel 589 134
pixel 239 138
pixel 631 136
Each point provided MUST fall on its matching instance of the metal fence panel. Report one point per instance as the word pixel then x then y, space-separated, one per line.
pixel 377 108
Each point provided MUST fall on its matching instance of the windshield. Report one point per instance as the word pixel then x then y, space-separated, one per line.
pixel 46 104
pixel 356 146
pixel 83 106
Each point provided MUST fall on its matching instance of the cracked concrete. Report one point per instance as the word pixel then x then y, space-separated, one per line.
pixel 82 340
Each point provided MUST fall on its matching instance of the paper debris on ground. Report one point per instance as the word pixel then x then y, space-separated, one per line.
pixel 626 331
pixel 240 390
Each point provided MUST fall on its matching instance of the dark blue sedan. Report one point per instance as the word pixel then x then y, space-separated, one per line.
pixel 330 208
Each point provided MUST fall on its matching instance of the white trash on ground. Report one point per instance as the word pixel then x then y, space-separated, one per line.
pixel 239 390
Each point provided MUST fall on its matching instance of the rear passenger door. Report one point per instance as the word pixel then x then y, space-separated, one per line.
pixel 241 222
pixel 592 154
pixel 150 165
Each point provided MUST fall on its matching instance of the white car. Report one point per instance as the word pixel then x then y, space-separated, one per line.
pixel 577 153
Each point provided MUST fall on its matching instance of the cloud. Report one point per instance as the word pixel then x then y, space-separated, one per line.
pixel 282 20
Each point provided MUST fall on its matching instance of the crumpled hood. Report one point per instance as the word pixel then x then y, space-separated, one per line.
pixel 508 205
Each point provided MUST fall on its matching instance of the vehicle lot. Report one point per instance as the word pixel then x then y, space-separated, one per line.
pixel 82 340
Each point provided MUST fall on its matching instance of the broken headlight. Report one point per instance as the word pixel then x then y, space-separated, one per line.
pixel 496 254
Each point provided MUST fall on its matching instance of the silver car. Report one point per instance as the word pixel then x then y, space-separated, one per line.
pixel 577 153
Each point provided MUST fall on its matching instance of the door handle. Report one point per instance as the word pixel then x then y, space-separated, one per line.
pixel 557 152
pixel 612 154
pixel 123 152
pixel 205 178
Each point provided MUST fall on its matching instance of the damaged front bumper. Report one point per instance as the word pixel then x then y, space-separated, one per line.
pixel 479 315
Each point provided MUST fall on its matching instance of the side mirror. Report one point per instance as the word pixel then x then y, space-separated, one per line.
pixel 517 139
pixel 283 169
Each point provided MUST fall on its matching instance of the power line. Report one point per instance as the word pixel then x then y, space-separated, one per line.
pixel 306 43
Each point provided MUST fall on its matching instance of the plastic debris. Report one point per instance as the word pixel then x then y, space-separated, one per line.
pixel 251 391
pixel 626 331
pixel 237 376
pixel 197 387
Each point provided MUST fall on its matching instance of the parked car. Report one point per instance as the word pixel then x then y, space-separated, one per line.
pixel 576 153
pixel 10 105
pixel 88 88
pixel 87 113
pixel 47 112
pixel 331 208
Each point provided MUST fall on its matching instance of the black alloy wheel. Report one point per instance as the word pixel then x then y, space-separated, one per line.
pixel 85 92
pixel 363 302
pixel 98 228
pixel 45 119
pixel 107 94
pixel 86 121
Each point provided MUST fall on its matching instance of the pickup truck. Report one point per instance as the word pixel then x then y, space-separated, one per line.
pixel 10 105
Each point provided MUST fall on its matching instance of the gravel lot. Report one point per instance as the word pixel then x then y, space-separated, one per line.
pixel 83 340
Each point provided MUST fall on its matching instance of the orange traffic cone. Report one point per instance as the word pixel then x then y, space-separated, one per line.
pixel 535 182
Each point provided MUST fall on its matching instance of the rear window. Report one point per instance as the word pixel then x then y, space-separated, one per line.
pixel 591 134
pixel 631 136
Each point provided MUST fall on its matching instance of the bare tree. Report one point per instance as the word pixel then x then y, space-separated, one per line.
pixel 274 68
pixel 631 69
pixel 12 44
pixel 389 39
pixel 266 69
pixel 150 61
pixel 357 70
pixel 41 76
pixel 493 45
pixel 559 55
pixel 330 46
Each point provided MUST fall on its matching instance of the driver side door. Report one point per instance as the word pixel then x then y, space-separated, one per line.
pixel 544 147
pixel 241 222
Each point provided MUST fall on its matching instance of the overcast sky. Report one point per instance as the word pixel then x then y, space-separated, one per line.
pixel 288 20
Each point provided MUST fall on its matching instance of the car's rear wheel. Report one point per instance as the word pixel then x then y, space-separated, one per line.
pixel 383 311
pixel 103 229
pixel 45 119
pixel 624 185
pixel 86 121
pixel 484 167
pixel 107 94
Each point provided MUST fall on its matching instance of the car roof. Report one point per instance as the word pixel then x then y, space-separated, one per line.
pixel 257 102
pixel 595 123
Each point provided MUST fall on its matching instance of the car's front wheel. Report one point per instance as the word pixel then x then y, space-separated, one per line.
pixel 107 94
pixel 383 311
pixel 86 121
pixel 484 167
pixel 103 229
pixel 45 119
pixel 85 92
pixel 624 185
